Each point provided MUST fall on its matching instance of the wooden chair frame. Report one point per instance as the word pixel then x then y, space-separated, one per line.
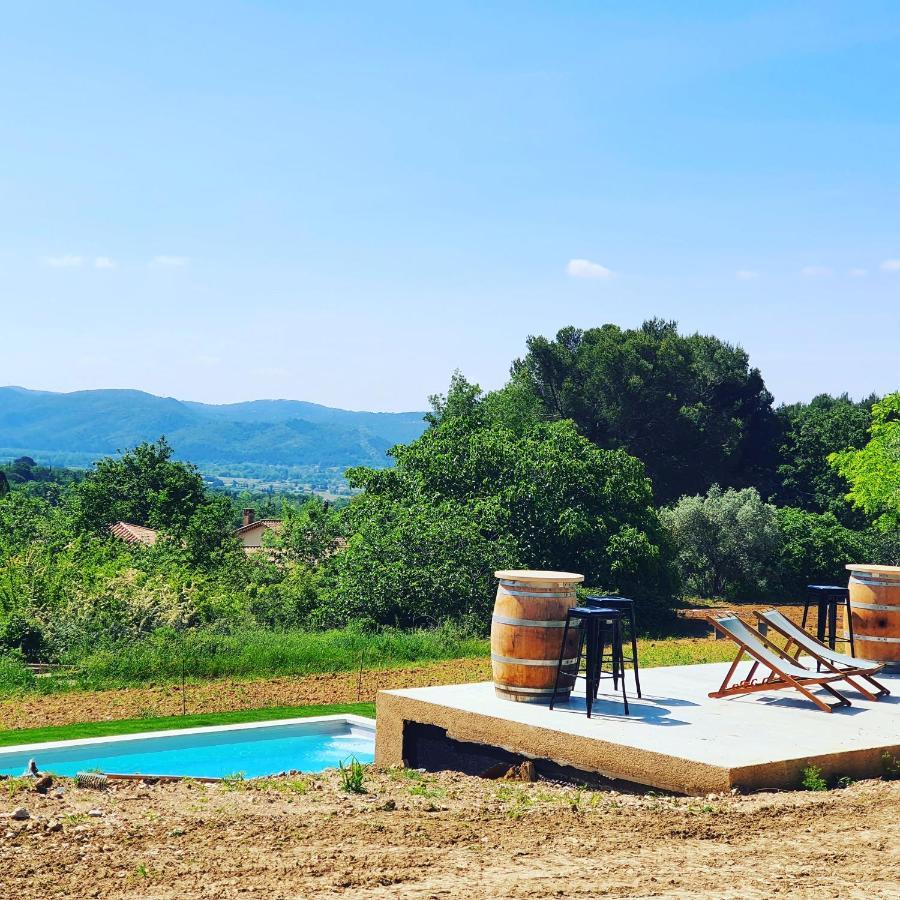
pixel 814 647
pixel 779 678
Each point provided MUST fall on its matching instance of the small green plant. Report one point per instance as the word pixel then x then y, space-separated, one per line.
pixel 844 781
pixel 890 765
pixel 812 779
pixel 141 871
pixel 423 790
pixel 283 786
pixel 74 818
pixel 13 786
pixel 353 774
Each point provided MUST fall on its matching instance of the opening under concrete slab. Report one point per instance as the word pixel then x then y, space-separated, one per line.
pixel 677 738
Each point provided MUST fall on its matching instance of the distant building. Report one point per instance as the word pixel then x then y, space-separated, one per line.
pixel 133 534
pixel 250 534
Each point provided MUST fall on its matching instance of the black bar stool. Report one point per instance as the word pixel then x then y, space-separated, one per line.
pixel 627 606
pixel 596 624
pixel 827 598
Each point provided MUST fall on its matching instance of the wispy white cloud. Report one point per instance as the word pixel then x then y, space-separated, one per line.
pixel 746 274
pixel 169 262
pixel 104 262
pixel 271 372
pixel 584 268
pixel 67 261
pixel 858 273
pixel 816 272
pixel 891 265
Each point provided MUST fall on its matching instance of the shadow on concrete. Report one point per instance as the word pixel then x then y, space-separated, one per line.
pixel 647 711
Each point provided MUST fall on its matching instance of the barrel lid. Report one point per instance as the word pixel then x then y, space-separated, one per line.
pixel 536 575
pixel 877 570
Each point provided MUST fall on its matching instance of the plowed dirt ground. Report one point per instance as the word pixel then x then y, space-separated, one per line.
pixel 447 835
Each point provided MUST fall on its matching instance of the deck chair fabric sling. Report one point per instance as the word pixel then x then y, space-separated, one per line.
pixel 784 672
pixel 799 641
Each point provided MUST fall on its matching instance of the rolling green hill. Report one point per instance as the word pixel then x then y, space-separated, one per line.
pixel 77 428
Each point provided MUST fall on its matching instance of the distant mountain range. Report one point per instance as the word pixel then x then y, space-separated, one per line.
pixel 78 427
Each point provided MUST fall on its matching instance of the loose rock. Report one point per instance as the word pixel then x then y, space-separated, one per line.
pixel 19 814
pixel 43 784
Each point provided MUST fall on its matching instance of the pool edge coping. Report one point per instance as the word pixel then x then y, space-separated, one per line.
pixel 351 719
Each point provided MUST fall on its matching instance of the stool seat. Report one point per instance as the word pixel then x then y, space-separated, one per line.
pixel 583 612
pixel 596 623
pixel 626 605
pixel 829 590
pixel 827 598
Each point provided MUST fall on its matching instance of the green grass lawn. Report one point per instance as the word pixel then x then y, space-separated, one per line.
pixel 135 726
pixel 683 652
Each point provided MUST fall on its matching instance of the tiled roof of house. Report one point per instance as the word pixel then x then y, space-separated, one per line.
pixel 274 524
pixel 133 534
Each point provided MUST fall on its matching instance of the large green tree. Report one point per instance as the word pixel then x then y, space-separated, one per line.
pixel 144 486
pixel 873 472
pixel 689 406
pixel 809 433
pixel 483 494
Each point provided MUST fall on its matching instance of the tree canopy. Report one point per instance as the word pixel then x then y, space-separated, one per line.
pixel 543 497
pixel 809 433
pixel 145 486
pixel 873 472
pixel 690 407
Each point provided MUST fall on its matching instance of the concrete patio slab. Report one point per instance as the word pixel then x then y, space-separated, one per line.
pixel 676 738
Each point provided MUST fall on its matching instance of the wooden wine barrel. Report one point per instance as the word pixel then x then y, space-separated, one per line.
pixel 875 607
pixel 526 634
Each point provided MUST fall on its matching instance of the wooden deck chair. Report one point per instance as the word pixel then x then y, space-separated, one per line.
pixel 784 671
pixel 799 641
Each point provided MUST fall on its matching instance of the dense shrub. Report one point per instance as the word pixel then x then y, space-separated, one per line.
pixel 814 549
pixel 414 561
pixel 726 542
pixel 732 545
pixel 14 675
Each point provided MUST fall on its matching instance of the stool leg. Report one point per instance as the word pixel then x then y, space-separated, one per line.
pixel 821 616
pixel 618 638
pixel 562 651
pixel 850 626
pixel 590 693
pixel 632 626
pixel 832 624
pixel 617 663
pixel 600 638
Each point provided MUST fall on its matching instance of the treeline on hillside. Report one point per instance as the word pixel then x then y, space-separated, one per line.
pixel 652 462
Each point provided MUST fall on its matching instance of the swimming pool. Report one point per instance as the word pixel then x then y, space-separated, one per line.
pixel 252 749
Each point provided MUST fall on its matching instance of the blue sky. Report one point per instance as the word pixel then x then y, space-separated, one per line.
pixel 344 202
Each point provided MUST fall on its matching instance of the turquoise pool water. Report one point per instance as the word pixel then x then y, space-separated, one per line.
pixel 261 749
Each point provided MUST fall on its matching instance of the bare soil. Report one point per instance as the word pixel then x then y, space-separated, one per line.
pixel 224 694
pixel 446 835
